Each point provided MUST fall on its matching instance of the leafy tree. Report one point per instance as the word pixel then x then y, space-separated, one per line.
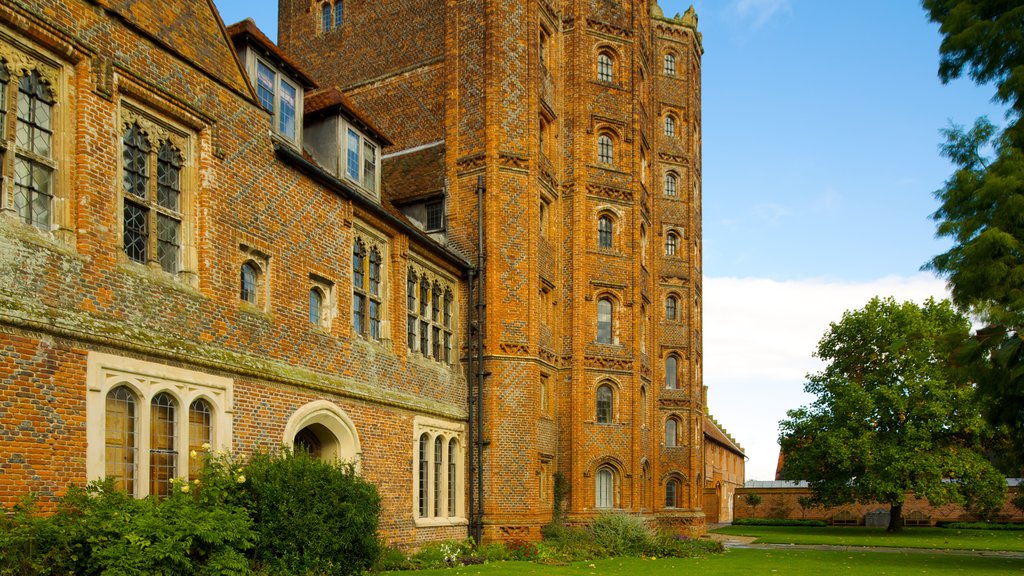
pixel 982 207
pixel 891 415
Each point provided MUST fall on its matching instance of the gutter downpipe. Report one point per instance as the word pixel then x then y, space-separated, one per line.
pixel 480 308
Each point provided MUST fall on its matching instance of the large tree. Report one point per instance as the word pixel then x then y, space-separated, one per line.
pixel 891 415
pixel 982 204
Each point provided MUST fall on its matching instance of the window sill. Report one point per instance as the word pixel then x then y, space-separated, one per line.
pixel 184 282
pixel 59 240
pixel 436 522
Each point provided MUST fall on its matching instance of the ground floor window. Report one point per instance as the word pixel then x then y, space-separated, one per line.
pixel 147 423
pixel 438 482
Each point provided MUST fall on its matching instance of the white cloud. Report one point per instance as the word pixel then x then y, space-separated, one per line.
pixel 760 11
pixel 759 337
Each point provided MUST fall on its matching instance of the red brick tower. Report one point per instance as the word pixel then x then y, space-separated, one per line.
pixel 583 119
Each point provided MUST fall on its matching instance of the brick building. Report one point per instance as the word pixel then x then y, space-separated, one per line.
pixel 208 239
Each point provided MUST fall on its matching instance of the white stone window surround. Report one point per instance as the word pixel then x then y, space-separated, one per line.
pixel 105 372
pixel 448 430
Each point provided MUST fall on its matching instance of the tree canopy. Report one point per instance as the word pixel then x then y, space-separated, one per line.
pixel 891 415
pixel 982 204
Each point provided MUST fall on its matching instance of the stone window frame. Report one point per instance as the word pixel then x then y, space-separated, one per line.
pixel 420 314
pixel 612 324
pixel 605 65
pixel 670 63
pixel 426 510
pixel 673 243
pixel 159 129
pixel 19 60
pixel 260 261
pixel 146 380
pixel 672 384
pixel 328 303
pixel 332 16
pixel 371 241
pixel 675 429
pixel 614 467
pixel 673 490
pixel 671 184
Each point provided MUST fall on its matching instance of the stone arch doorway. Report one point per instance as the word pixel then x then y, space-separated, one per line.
pixel 323 430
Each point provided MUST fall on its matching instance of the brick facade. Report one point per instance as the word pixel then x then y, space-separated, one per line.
pixel 460 84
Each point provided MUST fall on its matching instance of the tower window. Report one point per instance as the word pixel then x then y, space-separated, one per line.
pixel 605 67
pixel 670 64
pixel 605 227
pixel 605 149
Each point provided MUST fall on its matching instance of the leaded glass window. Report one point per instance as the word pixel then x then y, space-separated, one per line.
pixel 200 434
pixel 438 474
pixel 424 470
pixel 672 493
pixel 453 455
pixel 325 18
pixel 339 13
pixel 605 149
pixel 352 163
pixel 316 306
pixel 670 184
pixel 670 64
pixel 671 244
pixel 604 232
pixel 367 289
pixel 671 432
pixel 369 166
pixel 431 307
pixel 163 445
pixel 410 294
pixel 249 282
pixel 33 161
pixel 671 308
pixel 605 67
pixel 670 125
pixel 151 205
pixel 121 452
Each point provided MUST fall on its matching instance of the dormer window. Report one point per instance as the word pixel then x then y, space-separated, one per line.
pixel 279 97
pixel 361 160
pixel 435 216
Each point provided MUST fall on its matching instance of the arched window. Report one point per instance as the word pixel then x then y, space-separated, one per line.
pixel 670 64
pixel 453 455
pixel 163 445
pixel 643 328
pixel 671 244
pixel 604 321
pixel 424 472
pixel 671 308
pixel 670 184
pixel 671 432
pixel 604 231
pixel 604 489
pixel 316 306
pixel 605 67
pixel 670 125
pixel 438 474
pixel 250 282
pixel 671 372
pixel 325 17
pixel 449 301
pixel 672 493
pixel 643 406
pixel 200 433
pixel 339 13
pixel 604 404
pixel 121 444
pixel 605 149
pixel 643 244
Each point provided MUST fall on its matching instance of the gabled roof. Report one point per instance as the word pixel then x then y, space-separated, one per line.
pixel 413 175
pixel 330 100
pixel 190 28
pixel 715 432
pixel 247 31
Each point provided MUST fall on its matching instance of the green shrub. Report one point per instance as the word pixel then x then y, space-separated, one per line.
pixel 492 552
pixel 312 517
pixel 678 546
pixel 99 530
pixel 981 526
pixel 392 558
pixel 521 550
pixel 441 554
pixel 621 534
pixel 777 522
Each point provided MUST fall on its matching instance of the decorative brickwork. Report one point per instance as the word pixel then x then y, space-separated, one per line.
pixel 288 312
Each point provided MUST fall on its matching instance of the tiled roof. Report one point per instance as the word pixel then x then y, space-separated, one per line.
pixel 192 29
pixel 247 29
pixel 414 175
pixel 327 100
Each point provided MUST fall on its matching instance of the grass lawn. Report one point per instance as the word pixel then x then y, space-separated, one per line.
pixel 749 561
pixel 939 538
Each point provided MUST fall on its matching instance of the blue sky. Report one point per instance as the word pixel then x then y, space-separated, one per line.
pixel 821 131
